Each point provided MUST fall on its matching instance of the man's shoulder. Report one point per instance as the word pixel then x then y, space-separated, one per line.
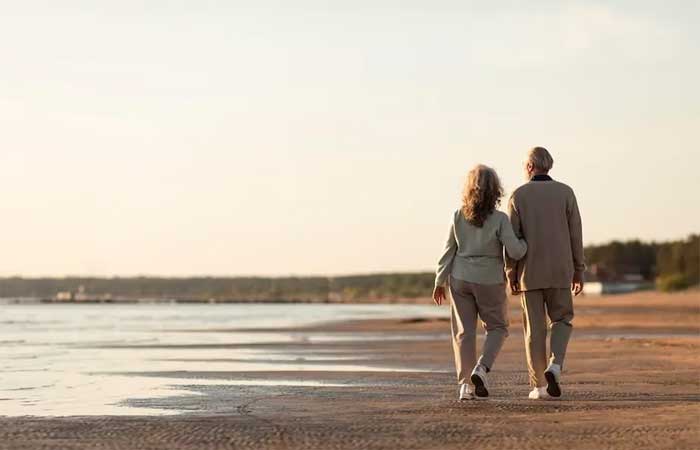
pixel 533 186
pixel 521 191
pixel 564 187
pixel 561 184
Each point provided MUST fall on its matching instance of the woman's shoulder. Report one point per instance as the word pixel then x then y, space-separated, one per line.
pixel 499 216
pixel 499 219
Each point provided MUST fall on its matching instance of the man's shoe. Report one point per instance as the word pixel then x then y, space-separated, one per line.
pixel 466 392
pixel 539 393
pixel 553 375
pixel 479 378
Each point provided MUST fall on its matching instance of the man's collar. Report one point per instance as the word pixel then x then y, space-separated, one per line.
pixel 541 178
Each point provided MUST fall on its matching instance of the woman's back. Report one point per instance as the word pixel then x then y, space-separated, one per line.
pixel 484 241
pixel 479 254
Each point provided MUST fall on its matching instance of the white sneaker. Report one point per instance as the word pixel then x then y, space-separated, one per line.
pixel 538 393
pixel 466 392
pixel 553 377
pixel 480 380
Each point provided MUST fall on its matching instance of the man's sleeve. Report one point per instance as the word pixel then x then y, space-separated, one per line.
pixel 576 235
pixel 512 264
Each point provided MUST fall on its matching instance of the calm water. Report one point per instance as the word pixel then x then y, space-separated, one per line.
pixel 72 359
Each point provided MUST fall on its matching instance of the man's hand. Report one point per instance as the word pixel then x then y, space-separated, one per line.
pixel 439 295
pixel 577 283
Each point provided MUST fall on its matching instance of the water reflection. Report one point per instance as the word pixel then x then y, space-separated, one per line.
pixel 71 359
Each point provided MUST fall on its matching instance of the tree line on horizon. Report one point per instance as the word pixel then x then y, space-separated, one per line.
pixel 671 266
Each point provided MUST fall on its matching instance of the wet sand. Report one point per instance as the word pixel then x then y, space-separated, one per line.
pixel 632 381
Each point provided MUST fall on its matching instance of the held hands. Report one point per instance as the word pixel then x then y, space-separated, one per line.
pixel 577 284
pixel 439 295
pixel 514 287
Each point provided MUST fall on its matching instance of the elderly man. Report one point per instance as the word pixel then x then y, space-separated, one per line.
pixel 545 213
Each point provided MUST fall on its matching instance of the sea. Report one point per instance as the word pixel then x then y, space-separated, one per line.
pixel 92 359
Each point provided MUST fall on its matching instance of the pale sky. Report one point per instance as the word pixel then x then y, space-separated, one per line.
pixel 319 137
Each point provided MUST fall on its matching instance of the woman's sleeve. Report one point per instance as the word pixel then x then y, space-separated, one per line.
pixel 515 248
pixel 445 263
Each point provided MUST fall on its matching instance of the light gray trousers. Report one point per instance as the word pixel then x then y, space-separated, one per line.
pixel 469 302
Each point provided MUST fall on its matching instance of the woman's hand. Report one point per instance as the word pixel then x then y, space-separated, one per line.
pixel 439 295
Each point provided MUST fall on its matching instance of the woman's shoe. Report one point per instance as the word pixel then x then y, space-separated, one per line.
pixel 539 393
pixel 466 392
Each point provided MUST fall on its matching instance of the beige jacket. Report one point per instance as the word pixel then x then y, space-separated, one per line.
pixel 545 213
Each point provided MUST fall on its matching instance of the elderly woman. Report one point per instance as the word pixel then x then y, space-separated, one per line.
pixel 472 263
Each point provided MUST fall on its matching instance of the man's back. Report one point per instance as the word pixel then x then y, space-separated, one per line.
pixel 546 214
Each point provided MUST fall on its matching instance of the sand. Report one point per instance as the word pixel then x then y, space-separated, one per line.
pixel 632 381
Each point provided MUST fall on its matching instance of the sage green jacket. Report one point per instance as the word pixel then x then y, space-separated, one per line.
pixel 475 254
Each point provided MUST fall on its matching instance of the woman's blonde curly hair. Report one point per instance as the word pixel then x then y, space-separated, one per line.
pixel 482 194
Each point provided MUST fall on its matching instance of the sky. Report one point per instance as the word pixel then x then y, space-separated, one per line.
pixel 319 137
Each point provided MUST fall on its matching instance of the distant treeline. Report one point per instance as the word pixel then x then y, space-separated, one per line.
pixel 673 265
pixel 314 289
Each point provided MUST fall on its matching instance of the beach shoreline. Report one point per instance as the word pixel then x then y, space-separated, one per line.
pixel 632 380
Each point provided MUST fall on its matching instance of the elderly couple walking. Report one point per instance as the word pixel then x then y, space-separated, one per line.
pixel 544 263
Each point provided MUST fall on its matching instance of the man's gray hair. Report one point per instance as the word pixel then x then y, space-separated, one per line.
pixel 540 159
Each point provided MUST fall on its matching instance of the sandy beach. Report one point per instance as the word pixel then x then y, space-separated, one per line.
pixel 632 381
